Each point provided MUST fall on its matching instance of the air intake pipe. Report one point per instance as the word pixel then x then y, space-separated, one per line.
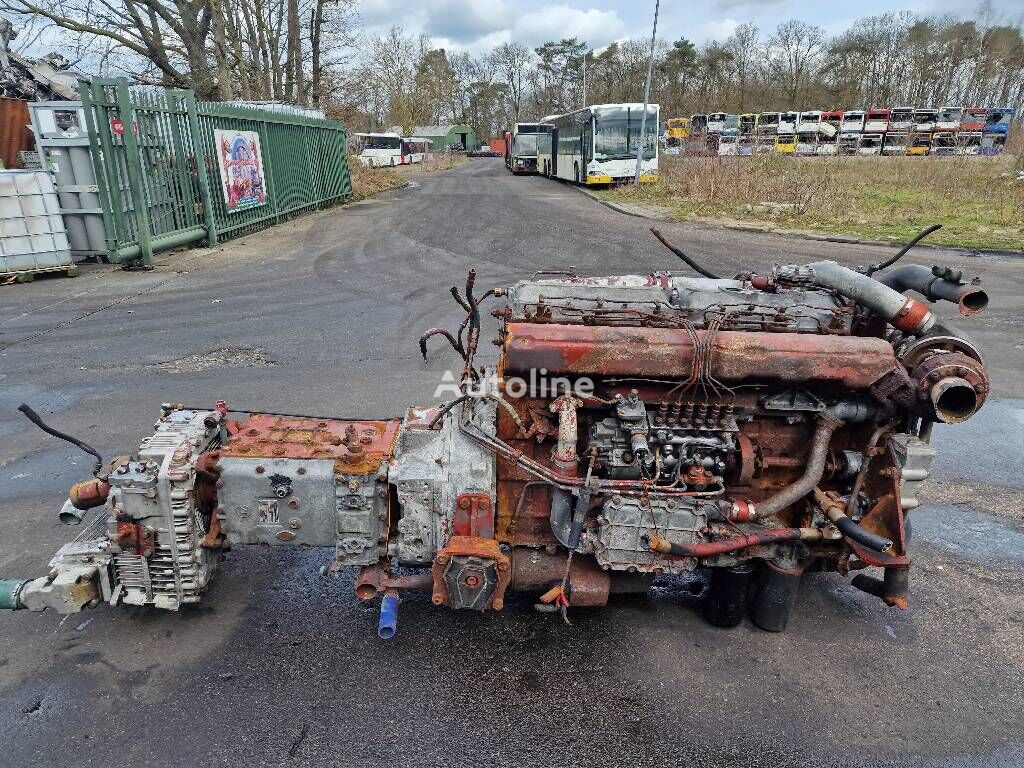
pixel 908 315
pixel 936 283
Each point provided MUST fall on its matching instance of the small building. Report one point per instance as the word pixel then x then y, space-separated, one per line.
pixel 444 136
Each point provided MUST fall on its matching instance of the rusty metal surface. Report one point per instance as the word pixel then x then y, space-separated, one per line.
pixel 15 135
pixel 848 361
pixel 357 447
pixel 466 547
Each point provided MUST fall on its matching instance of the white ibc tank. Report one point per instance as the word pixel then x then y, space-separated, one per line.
pixel 32 234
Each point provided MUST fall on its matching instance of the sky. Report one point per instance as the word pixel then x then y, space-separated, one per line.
pixel 478 25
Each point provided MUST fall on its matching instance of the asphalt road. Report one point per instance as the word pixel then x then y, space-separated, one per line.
pixel 280 667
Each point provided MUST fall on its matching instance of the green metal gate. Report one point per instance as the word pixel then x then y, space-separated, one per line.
pixel 160 185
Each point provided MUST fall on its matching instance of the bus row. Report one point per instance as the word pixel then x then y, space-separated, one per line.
pixel 873 121
pixel 810 143
pixel 377 150
pixel 594 145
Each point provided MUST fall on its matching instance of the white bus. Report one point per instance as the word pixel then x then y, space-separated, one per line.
pixel 522 158
pixel 598 144
pixel 378 150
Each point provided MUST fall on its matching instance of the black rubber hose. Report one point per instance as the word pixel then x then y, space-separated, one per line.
pixel 690 262
pixel 35 419
pixel 851 530
pixel 474 308
pixel 903 251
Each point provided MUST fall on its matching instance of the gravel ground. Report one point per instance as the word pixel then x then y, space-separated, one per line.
pixel 280 667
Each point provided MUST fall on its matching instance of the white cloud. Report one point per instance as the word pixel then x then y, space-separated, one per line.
pixel 716 30
pixel 555 22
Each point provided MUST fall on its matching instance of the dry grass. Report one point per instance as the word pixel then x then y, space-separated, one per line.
pixel 367 182
pixel 978 200
pixel 437 161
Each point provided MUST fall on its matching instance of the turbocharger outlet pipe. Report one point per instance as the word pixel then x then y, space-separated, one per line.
pixel 908 315
pixel 954 400
pixel 971 299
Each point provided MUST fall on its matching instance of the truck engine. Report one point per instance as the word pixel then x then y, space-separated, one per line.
pixel 751 428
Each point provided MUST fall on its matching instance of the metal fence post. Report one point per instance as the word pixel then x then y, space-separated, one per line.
pixel 199 147
pixel 136 179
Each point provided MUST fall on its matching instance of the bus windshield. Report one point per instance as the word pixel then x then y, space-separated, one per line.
pixel 617 133
pixel 525 145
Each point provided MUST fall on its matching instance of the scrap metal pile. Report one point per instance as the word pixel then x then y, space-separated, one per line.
pixel 751 427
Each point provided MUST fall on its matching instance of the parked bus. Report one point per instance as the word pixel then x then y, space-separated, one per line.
pixel 599 144
pixel 920 144
pixel 768 123
pixel 998 120
pixel 748 123
pixel 902 119
pixel 894 143
pixel 968 143
pixel 827 144
pixel 833 119
pixel 949 119
pixel 853 121
pixel 785 143
pixel 378 150
pixel 698 124
pixel 943 143
pixel 716 122
pixel 869 144
pixel 924 119
pixel 809 119
pixel 807 138
pixel 788 121
pixel 728 144
pixel 877 120
pixel 677 131
pixel 523 157
pixel 973 119
pixel 415 149
pixel 848 143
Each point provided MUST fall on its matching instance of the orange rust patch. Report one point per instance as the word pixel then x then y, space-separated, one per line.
pixel 356 447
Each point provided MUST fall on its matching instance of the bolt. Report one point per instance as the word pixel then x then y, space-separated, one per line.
pixel 295 523
pixel 293 504
pixel 300 471
pixel 260 469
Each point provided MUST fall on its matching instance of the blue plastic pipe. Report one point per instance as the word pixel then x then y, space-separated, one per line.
pixel 388 624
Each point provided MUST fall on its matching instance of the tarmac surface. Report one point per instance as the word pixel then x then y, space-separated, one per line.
pixel 279 666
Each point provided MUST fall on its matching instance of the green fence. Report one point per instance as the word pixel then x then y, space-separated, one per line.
pixel 171 170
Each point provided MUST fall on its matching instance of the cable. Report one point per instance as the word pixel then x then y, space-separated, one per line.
pixel 693 264
pixel 35 419
pixel 903 251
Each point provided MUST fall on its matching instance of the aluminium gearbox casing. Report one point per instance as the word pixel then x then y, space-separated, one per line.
pixel 303 502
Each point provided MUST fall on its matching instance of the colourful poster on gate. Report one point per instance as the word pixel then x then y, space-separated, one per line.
pixel 241 169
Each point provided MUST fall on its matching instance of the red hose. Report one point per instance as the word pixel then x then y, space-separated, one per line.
pixel 710 548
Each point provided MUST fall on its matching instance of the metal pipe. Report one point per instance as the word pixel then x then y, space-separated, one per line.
pixel 909 315
pixel 812 473
pixel 971 299
pixel 733 543
pixel 10 594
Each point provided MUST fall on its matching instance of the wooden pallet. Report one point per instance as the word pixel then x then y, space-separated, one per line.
pixel 28 276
